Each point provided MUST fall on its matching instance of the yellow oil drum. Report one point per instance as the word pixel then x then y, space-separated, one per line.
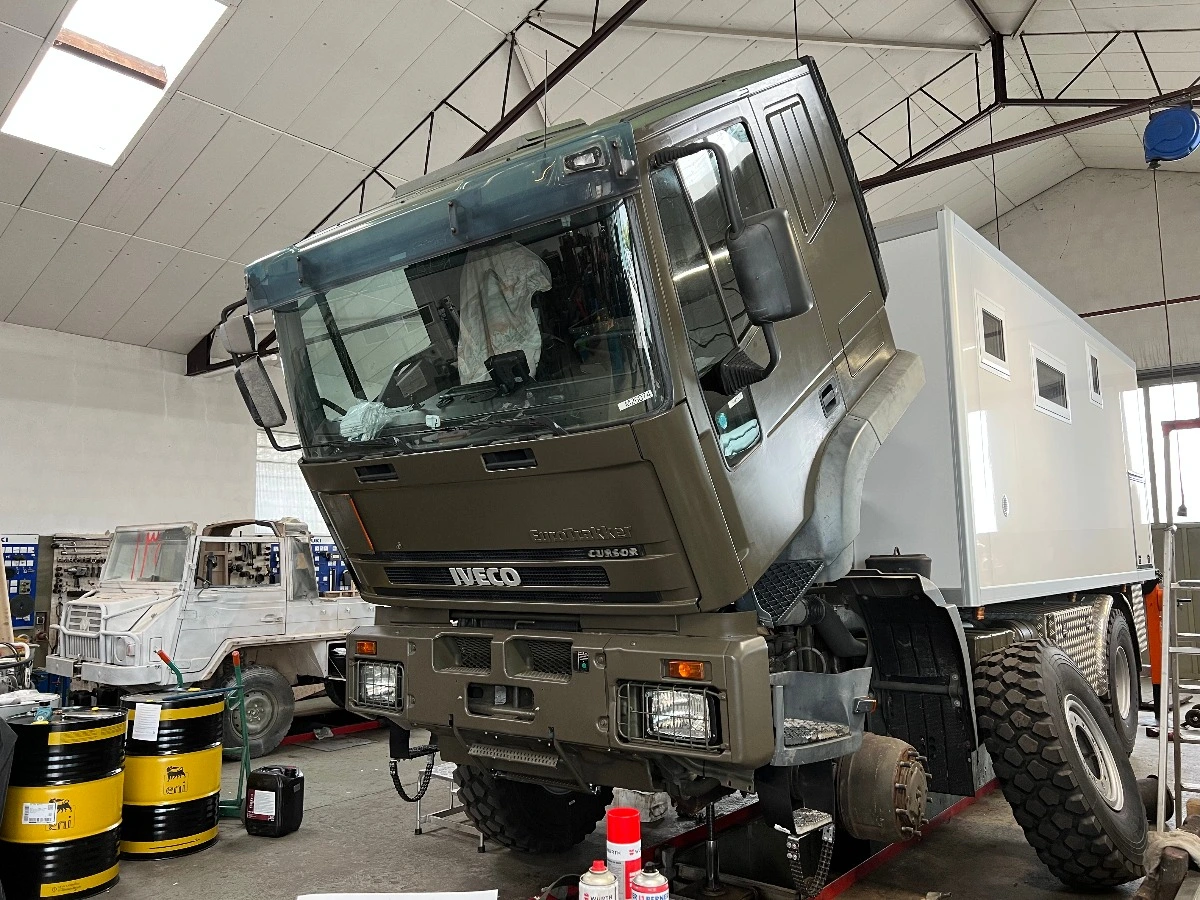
pixel 61 829
pixel 172 773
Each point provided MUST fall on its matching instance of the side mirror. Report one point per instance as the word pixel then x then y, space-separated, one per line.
pixel 768 269
pixel 237 336
pixel 259 394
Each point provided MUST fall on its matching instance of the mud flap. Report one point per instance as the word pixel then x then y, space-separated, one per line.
pixel 921 679
pixel 773 785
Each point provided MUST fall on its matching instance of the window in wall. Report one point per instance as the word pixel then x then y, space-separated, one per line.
pixel 1094 392
pixel 993 354
pixel 1050 385
pixel 280 491
pixel 1164 405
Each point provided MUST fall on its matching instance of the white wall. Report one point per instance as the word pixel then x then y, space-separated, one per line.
pixel 95 434
pixel 1092 240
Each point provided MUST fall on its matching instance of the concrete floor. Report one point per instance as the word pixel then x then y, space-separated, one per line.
pixel 358 836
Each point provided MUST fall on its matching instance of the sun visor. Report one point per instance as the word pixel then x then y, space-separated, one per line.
pixel 529 187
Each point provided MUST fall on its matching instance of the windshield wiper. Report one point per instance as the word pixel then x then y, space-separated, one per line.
pixel 536 419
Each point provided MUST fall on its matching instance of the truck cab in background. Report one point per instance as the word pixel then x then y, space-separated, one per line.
pixel 199 594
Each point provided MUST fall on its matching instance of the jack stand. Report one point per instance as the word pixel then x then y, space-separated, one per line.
pixel 712 886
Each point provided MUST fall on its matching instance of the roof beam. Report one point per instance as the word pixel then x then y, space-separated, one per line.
pixel 582 52
pixel 750 34
pixel 1058 129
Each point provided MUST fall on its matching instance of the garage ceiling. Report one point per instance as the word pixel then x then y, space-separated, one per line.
pixel 289 103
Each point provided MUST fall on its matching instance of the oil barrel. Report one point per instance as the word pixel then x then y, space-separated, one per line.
pixel 172 773
pixel 60 835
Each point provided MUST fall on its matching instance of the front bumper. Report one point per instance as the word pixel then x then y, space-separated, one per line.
pixel 559 705
pixel 104 673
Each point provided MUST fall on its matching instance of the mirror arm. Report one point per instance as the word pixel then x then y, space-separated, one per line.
pixel 739 371
pixel 275 443
pixel 668 155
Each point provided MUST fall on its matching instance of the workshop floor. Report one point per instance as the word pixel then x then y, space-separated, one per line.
pixel 358 836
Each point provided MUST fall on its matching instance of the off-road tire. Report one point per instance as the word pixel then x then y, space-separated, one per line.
pixel 528 817
pixel 1121 653
pixel 1024 695
pixel 269 691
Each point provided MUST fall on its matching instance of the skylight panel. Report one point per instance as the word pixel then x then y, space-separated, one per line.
pixel 91 100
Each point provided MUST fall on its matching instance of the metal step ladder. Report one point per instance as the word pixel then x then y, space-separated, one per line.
pixel 1175 645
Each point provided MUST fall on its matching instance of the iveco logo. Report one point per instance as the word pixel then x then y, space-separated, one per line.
pixel 501 577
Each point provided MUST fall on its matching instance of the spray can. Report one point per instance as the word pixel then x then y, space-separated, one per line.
pixel 651 884
pixel 624 826
pixel 598 883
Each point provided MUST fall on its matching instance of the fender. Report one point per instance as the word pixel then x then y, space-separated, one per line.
pixel 836 489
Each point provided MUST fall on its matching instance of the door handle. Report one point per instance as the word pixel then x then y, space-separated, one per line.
pixel 271 619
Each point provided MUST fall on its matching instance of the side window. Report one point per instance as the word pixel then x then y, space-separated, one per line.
pixel 700 179
pixel 993 351
pixel 710 334
pixel 241 564
pixel 1095 392
pixel 1050 385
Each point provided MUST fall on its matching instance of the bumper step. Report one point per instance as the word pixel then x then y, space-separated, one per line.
pixel 515 755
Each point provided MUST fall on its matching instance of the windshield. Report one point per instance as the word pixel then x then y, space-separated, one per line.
pixel 544 331
pixel 147 555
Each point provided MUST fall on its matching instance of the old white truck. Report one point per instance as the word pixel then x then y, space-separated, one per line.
pixel 198 595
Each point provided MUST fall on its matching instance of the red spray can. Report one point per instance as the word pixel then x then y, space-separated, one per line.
pixel 624 826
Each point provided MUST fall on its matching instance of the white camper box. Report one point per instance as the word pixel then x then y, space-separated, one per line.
pixel 1016 488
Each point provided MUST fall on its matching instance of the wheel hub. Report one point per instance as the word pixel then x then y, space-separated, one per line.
pixel 260 712
pixel 1098 761
pixel 1123 685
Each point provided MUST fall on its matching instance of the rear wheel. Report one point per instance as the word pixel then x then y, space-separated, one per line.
pixel 1053 746
pixel 270 704
pixel 527 817
pixel 1123 678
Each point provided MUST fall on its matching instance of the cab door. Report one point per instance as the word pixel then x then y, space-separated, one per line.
pixel 236 593
pixel 759 443
pixel 810 171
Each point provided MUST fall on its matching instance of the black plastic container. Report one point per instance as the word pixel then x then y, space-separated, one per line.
pixel 274 801
pixel 897 563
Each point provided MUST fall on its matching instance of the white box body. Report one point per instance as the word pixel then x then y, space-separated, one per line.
pixel 1011 495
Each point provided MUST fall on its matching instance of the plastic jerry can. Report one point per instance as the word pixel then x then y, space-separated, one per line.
pixel 274 801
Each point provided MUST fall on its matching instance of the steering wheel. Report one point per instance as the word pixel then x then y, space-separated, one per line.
pixel 391 395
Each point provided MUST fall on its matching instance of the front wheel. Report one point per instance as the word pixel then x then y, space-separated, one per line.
pixel 1055 752
pixel 528 817
pixel 270 704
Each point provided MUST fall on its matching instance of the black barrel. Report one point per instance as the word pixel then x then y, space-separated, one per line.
pixel 61 829
pixel 173 782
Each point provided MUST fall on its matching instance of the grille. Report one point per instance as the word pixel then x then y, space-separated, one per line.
pixel 669 715
pixel 466 653
pixel 83 617
pixel 782 586
pixel 551 576
pixel 452 593
pixel 543 659
pixel 492 556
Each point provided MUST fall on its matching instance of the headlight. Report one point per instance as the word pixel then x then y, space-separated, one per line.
pixel 664 714
pixel 378 684
pixel 680 715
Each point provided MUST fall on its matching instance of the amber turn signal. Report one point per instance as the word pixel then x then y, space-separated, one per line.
pixel 366 648
pixel 691 669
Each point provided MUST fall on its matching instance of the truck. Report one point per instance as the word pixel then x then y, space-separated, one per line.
pixel 194 596
pixel 591 415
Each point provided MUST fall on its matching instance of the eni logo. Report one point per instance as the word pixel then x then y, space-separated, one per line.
pixel 65 818
pixel 175 781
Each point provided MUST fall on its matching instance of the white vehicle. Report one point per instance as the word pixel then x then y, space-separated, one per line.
pixel 198 595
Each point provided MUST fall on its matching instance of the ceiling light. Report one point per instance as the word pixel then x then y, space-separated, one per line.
pixel 92 102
